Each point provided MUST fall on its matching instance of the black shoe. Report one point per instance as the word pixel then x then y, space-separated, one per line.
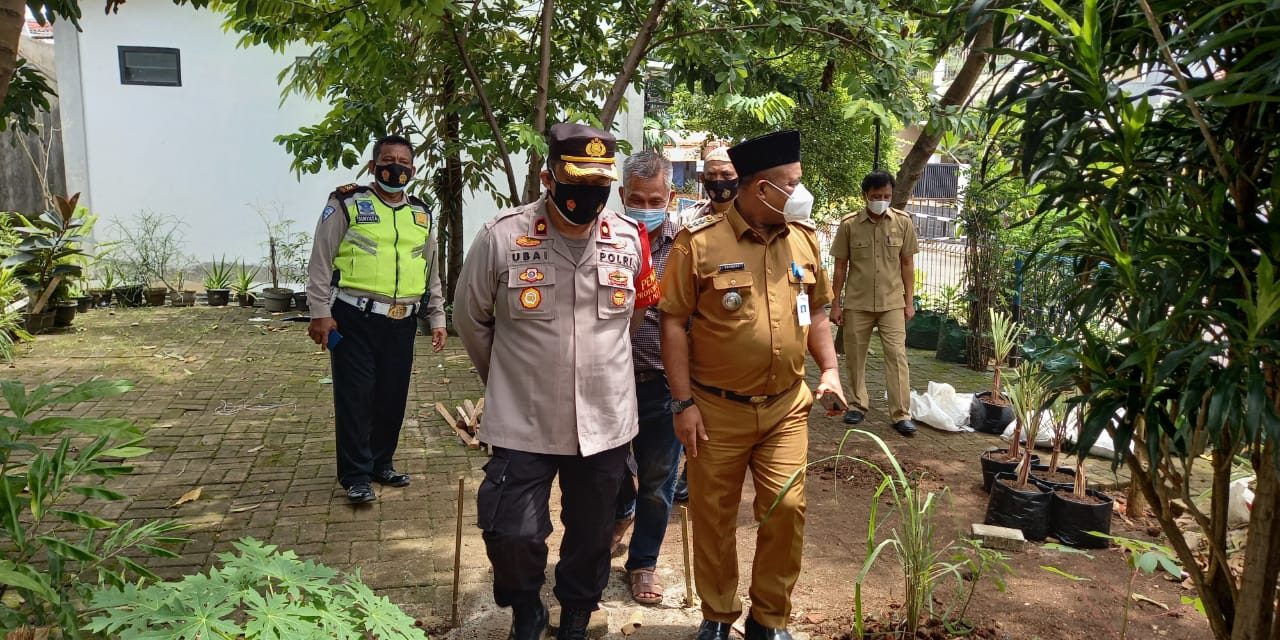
pixel 391 478
pixel 757 631
pixel 573 624
pixel 709 630
pixel 528 622
pixel 682 488
pixel 853 416
pixel 360 493
pixel 905 427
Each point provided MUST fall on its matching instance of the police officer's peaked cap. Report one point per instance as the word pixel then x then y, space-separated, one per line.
pixel 766 152
pixel 578 144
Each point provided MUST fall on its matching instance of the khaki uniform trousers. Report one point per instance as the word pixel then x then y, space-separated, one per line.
pixel 893 341
pixel 772 440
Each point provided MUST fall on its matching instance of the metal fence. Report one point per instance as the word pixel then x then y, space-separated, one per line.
pixel 935 218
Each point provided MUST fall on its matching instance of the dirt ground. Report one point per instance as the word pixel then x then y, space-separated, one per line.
pixel 237 401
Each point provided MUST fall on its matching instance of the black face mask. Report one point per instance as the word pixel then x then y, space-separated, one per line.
pixel 392 176
pixel 579 203
pixel 721 191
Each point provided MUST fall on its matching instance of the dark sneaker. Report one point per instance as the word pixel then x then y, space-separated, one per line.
pixel 905 427
pixel 853 416
pixel 573 624
pixel 391 478
pixel 682 488
pixel 360 494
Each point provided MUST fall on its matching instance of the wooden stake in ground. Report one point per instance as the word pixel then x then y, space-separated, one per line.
pixel 457 551
pixel 688 570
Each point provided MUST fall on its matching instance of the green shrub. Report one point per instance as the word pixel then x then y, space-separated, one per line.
pixel 256 594
pixel 56 549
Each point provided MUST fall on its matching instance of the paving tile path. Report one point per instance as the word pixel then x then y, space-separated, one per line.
pixel 236 401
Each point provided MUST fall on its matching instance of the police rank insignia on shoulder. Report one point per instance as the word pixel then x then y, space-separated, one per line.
pixel 704 222
pixel 348 188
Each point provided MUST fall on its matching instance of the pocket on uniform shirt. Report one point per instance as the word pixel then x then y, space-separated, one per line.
pixel 489 495
pixel 860 248
pixel 723 284
pixel 530 290
pixel 617 292
pixel 801 283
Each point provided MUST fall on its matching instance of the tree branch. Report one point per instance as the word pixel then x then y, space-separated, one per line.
pixel 635 56
pixel 486 107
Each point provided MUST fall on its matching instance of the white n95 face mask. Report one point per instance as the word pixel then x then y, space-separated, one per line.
pixel 799 204
pixel 878 207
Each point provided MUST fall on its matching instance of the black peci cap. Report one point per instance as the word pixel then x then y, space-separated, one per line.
pixel 766 152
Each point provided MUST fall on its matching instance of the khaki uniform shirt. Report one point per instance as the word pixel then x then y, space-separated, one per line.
pixel 548 332
pixel 875 251
pixel 759 348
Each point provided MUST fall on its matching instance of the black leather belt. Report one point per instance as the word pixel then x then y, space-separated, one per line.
pixel 650 376
pixel 737 397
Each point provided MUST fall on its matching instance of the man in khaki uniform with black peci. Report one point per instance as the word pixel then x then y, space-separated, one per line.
pixel 751 280
pixel 876 248
pixel 545 302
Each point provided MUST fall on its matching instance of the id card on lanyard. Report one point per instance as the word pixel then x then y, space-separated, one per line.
pixel 802 299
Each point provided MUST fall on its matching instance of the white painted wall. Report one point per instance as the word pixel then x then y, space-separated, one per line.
pixel 203 152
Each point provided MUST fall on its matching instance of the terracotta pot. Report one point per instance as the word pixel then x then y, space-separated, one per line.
pixel 156 296
pixel 184 298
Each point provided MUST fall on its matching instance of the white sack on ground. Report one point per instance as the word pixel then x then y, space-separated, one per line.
pixel 1104 447
pixel 941 407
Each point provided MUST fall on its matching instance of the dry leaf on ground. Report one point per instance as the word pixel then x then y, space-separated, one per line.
pixel 190 496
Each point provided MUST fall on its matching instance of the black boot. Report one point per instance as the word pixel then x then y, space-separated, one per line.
pixel 573 624
pixel 528 621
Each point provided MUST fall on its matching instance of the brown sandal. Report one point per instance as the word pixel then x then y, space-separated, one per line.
pixel 646 581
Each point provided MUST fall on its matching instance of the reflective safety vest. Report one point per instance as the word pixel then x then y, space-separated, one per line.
pixel 382 251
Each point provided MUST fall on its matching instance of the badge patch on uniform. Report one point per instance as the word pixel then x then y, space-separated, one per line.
pixel 618 278
pixel 421 218
pixel 732 300
pixel 365 213
pixel 540 226
pixel 530 298
pixel 526 241
pixel 532 275
pixel 328 211
pixel 605 231
pixel 618 298
pixel 732 266
pixel 620 245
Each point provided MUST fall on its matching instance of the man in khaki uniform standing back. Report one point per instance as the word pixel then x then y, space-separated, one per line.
pixel 544 307
pixel 752 282
pixel 876 248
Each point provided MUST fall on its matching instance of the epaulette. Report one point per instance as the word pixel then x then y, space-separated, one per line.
pixel 627 219
pixel 848 216
pixel 807 223
pixel 417 202
pixel 503 214
pixel 348 190
pixel 703 222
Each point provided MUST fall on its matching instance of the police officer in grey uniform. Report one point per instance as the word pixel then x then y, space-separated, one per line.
pixel 378 246
pixel 544 307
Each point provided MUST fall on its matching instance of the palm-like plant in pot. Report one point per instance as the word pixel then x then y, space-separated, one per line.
pixel 244 285
pixel 989 411
pixel 1075 511
pixel 46 251
pixel 1015 501
pixel 217 282
pixel 1053 476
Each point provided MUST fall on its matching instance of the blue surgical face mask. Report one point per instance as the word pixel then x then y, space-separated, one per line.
pixel 650 218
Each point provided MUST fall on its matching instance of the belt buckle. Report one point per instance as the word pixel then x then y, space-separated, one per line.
pixel 758 399
pixel 398 311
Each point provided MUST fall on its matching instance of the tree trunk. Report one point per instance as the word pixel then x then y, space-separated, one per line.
pixel 485 106
pixel 635 57
pixel 957 94
pixel 1255 615
pixel 449 188
pixel 532 186
pixel 12 16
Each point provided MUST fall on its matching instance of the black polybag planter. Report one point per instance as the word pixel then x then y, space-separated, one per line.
pixel 989 418
pixel 991 467
pixel 1027 510
pixel 953 342
pixel 922 330
pixel 1070 521
pixel 1052 486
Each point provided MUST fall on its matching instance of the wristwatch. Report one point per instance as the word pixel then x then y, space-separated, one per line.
pixel 678 406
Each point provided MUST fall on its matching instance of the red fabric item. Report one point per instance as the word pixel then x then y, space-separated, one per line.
pixel 647 289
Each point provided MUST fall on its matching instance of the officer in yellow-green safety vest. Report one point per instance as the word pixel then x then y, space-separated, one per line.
pixel 372 275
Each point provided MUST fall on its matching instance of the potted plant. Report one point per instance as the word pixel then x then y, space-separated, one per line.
pixel 1015 501
pixel 1076 513
pixel 217 283
pixel 180 295
pixel 1053 476
pixel 46 255
pixel 276 298
pixel 296 257
pixel 12 324
pixel 149 250
pixel 243 285
pixel 101 294
pixel 989 411
pixel 83 301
